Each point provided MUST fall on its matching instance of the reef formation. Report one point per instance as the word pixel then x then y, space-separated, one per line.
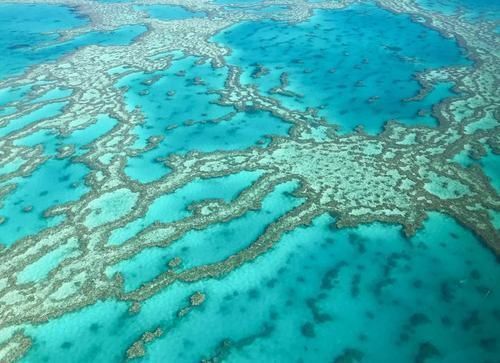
pixel 397 176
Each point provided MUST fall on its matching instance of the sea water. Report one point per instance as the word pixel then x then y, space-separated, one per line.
pixel 334 62
pixel 474 10
pixel 181 105
pixel 20 48
pixel 320 292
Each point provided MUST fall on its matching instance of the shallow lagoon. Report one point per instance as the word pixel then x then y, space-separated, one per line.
pixel 21 30
pixel 180 104
pixel 20 49
pixel 475 10
pixel 333 63
pixel 54 182
pixel 315 282
pixel 173 207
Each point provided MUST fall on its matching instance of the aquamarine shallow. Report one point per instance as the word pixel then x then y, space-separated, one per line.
pixel 326 287
pixel 344 81
pixel 185 112
pixel 316 281
pixel 20 49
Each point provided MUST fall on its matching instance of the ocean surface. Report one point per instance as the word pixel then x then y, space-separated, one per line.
pixel 322 293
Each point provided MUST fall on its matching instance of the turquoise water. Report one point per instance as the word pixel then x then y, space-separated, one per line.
pixel 80 139
pixel 122 36
pixel 236 1
pixel 241 131
pixel 268 9
pixel 488 163
pixel 53 94
pixel 45 112
pixel 226 188
pixel 368 293
pixel 174 101
pixel 26 41
pixel 334 63
pixel 174 96
pixel 8 95
pixel 39 270
pixel 21 30
pixel 322 291
pixel 54 182
pixel 475 10
pixel 201 247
